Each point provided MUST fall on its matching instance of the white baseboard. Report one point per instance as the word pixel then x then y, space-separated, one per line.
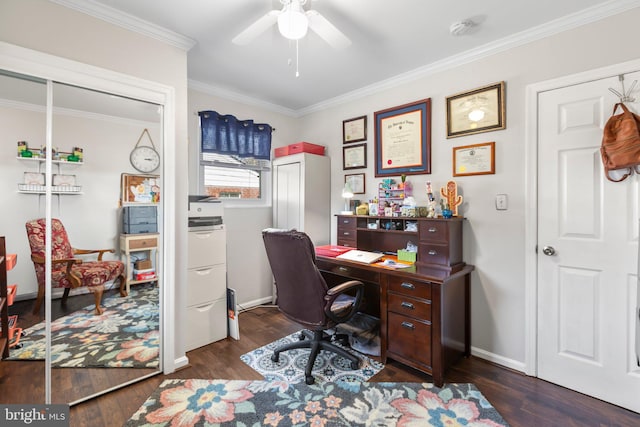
pixel 254 303
pixel 179 363
pixel 500 360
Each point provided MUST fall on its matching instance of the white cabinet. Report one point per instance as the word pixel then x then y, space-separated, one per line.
pixel 302 195
pixel 206 287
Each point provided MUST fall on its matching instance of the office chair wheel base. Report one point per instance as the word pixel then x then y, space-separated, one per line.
pixel 355 365
pixel 309 380
pixel 275 358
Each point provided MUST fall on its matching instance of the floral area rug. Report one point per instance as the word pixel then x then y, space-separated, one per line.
pixel 125 335
pixel 291 365
pixel 198 402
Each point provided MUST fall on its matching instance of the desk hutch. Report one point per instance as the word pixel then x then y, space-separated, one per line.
pixel 424 310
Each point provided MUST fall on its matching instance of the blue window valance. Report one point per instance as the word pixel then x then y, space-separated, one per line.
pixel 225 134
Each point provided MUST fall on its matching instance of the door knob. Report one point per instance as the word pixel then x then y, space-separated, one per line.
pixel 548 250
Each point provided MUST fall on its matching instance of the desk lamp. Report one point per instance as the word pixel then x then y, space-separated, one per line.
pixel 347 194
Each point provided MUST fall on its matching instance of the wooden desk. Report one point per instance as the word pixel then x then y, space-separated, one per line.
pixel 424 312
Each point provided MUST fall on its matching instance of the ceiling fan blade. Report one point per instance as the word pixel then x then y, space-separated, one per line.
pixel 257 28
pixel 326 30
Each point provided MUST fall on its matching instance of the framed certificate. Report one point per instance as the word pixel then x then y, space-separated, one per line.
pixel 477 159
pixel 356 182
pixel 403 139
pixel 354 156
pixel 354 130
pixel 475 111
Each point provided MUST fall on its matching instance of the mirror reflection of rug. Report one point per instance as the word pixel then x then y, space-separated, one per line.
pixel 262 403
pixel 126 335
pixel 290 368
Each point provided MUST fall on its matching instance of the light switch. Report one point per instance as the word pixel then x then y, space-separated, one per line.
pixel 501 202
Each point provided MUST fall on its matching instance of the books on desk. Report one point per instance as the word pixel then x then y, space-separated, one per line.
pixel 360 256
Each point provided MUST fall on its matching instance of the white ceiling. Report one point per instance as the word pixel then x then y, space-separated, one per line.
pixel 391 41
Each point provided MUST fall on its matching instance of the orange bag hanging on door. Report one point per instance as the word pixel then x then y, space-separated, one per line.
pixel 621 143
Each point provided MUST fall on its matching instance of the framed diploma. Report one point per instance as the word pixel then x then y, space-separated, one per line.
pixel 475 111
pixel 477 159
pixel 354 156
pixel 356 182
pixel 354 130
pixel 403 139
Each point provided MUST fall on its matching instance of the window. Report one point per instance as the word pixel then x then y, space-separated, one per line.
pixel 231 177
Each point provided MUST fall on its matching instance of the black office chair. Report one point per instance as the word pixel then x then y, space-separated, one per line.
pixel 305 298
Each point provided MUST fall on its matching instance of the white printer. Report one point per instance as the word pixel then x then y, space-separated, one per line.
pixel 205 213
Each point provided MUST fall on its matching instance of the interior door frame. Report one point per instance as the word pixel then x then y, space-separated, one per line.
pixel 531 191
pixel 49 67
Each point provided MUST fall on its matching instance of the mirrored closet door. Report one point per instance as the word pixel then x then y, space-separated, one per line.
pixel 92 182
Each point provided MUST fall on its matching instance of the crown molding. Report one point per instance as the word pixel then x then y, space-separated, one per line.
pixel 129 22
pixel 238 97
pixel 568 22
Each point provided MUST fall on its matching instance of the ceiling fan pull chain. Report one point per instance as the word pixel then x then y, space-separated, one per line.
pixel 297 61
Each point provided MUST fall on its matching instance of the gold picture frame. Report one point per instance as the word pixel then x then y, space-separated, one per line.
pixel 479 110
pixel 476 159
pixel 354 130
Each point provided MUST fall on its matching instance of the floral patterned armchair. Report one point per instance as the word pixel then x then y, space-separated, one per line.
pixel 69 272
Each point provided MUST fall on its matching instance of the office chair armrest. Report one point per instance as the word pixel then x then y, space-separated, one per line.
pixel 335 292
pixel 100 252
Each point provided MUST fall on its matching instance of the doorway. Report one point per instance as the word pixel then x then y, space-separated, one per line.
pixel 582 284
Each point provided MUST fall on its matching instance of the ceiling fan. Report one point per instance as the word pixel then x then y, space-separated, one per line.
pixel 293 22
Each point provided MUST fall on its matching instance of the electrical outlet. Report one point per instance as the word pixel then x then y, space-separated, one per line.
pixel 501 202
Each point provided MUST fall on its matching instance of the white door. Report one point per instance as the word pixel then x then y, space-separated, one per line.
pixel 587 249
pixel 287 202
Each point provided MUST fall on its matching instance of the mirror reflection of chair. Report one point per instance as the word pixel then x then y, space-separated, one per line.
pixel 69 272
pixel 305 298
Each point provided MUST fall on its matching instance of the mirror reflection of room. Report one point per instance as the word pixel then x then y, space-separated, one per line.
pixel 104 292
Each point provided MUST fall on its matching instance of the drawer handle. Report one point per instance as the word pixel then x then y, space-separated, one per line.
pixel 432 252
pixel 407 305
pixel 408 325
pixel 432 230
pixel 346 221
pixel 346 233
pixel 345 269
pixel 407 285
pixel 203 272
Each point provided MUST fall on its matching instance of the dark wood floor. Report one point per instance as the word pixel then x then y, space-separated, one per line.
pixel 522 401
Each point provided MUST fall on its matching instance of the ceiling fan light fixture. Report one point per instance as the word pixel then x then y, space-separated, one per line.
pixel 293 22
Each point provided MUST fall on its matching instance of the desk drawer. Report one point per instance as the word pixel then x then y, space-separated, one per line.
pixel 435 254
pixel 354 273
pixel 409 338
pixel 434 231
pixel 347 222
pixel 412 307
pixel 148 242
pixel 410 288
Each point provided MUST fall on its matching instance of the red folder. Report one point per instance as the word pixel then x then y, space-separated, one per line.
pixel 331 251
